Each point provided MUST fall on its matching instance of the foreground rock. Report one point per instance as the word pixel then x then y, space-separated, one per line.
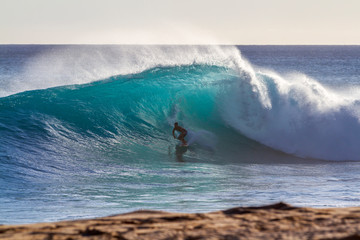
pixel 279 221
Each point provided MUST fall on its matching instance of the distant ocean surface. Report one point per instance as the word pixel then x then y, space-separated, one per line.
pixel 86 130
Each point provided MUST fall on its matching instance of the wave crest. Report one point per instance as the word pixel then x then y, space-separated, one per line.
pixel 68 65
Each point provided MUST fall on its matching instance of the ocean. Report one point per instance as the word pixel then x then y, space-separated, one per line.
pixel 86 130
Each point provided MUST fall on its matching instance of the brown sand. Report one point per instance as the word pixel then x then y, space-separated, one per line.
pixel 278 221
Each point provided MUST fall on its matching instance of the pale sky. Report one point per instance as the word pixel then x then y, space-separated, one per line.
pixel 180 21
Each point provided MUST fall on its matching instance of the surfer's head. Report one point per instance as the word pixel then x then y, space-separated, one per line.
pixel 175 124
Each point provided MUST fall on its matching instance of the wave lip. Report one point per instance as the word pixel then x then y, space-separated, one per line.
pixel 67 65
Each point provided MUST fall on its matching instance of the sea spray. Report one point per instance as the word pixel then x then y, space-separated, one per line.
pixel 67 65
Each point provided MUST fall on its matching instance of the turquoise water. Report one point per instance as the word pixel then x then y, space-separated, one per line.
pixel 85 131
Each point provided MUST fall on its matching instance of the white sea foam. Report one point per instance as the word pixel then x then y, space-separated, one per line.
pixel 300 116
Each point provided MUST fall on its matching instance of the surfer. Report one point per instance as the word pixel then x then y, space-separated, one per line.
pixel 182 131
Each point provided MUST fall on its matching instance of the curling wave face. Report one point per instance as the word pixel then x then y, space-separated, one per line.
pixel 121 104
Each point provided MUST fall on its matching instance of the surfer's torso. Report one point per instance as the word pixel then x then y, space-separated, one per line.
pixel 180 129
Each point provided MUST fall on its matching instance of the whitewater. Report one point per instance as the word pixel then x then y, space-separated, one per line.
pixel 86 130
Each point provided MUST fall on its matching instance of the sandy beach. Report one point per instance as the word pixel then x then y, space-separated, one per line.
pixel 277 221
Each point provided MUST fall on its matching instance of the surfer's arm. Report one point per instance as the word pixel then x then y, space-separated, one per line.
pixel 174 133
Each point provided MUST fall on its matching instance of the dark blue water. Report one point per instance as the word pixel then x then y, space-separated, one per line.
pixel 86 130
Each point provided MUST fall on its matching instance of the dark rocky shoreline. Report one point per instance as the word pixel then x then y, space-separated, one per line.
pixel 277 221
